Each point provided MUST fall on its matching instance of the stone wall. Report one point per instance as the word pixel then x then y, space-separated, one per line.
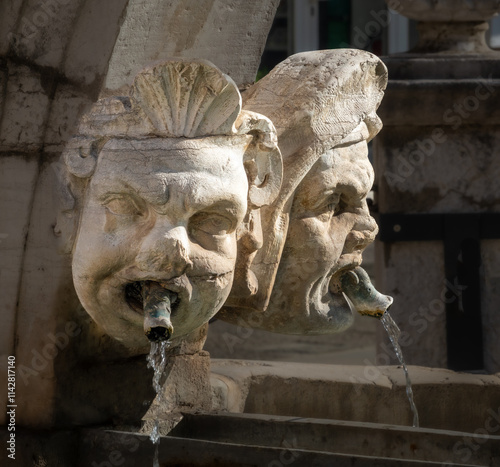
pixel 437 163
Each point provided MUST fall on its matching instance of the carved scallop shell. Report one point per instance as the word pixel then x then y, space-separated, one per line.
pixel 188 99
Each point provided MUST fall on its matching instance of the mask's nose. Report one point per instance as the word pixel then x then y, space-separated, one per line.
pixel 165 248
pixel 362 234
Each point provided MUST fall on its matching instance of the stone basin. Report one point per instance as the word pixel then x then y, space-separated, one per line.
pixel 445 399
pixel 274 414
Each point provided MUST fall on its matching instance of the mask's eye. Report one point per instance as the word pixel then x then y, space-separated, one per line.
pixel 333 206
pixel 210 224
pixel 336 207
pixel 122 206
pixel 329 206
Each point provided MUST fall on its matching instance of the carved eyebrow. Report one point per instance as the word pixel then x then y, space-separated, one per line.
pixel 223 205
pixel 114 187
pixel 351 191
pixel 146 193
pixel 192 206
pixel 322 196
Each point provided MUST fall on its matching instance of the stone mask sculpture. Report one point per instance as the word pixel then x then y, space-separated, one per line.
pixel 162 180
pixel 323 105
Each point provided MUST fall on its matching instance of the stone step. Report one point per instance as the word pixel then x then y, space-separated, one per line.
pixel 100 448
pixel 341 437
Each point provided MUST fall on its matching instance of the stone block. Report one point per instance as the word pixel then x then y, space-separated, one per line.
pixel 418 308
pixel 45 307
pixel 67 106
pixel 446 102
pixel 44 30
pixel 92 42
pixel 4 77
pixel 230 35
pixel 186 389
pixel 9 14
pixel 106 448
pixel 334 436
pixel 25 110
pixel 490 253
pixel 373 394
pixel 450 168
pixel 425 169
pixel 17 183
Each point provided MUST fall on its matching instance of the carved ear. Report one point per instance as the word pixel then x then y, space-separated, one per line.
pixel 80 155
pixel 262 160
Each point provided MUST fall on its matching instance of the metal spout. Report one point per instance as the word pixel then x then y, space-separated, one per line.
pixel 157 303
pixel 366 299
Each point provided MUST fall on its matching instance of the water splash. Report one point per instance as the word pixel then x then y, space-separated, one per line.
pixel 157 360
pixel 394 332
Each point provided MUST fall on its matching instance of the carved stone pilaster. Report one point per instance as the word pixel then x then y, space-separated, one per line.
pixel 438 154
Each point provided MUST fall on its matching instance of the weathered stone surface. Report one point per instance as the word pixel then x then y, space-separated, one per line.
pixel 452 100
pixel 441 169
pixel 443 161
pixel 91 46
pixel 106 446
pixel 448 10
pixel 68 105
pixel 25 110
pixel 324 107
pixel 490 253
pixel 4 76
pixel 230 35
pixel 9 14
pixel 378 441
pixel 419 307
pixel 43 31
pixel 362 393
pixel 449 26
pixel 17 183
pixel 45 309
pixel 186 389
pixel 243 440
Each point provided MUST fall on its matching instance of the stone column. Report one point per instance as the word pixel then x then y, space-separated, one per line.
pixel 439 154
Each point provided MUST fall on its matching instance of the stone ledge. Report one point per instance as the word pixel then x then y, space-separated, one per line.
pixel 438 97
pixel 375 394
pixel 418 66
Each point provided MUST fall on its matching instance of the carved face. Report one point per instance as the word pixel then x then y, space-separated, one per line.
pixel 162 210
pixel 330 226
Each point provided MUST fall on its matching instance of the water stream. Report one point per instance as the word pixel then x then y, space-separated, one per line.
pixel 157 360
pixel 394 332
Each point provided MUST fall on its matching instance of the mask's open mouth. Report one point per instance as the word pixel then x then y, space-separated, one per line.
pixel 135 299
pixel 367 300
pixel 156 304
pixel 133 296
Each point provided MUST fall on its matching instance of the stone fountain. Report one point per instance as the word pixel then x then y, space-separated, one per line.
pixel 182 198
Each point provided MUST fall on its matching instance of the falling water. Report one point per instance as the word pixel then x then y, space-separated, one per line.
pixel 157 360
pixel 394 332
